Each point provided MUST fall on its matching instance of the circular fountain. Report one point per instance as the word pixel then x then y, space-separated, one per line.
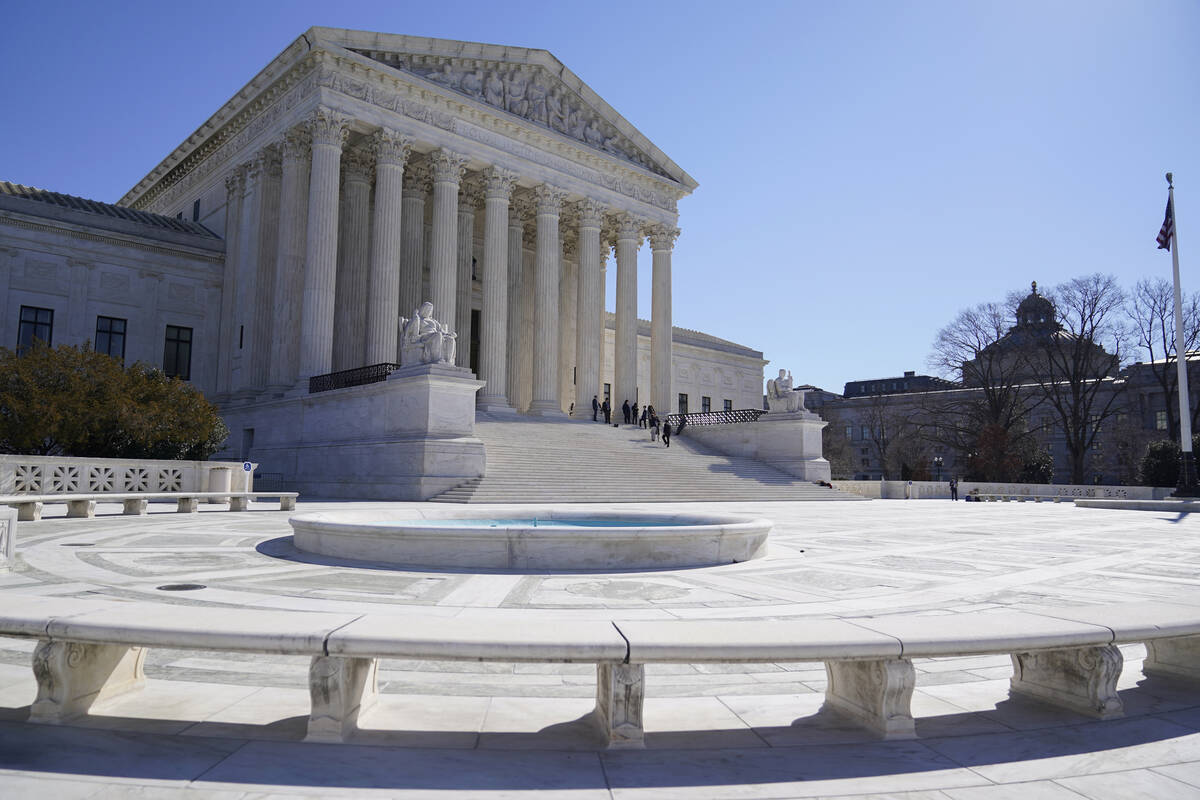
pixel 532 539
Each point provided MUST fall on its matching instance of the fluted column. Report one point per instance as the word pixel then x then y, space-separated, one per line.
pixel 412 238
pixel 516 261
pixel 589 307
pixel 383 297
pixel 267 252
pixel 629 239
pixel 329 131
pixel 469 196
pixel 350 309
pixel 493 339
pixel 545 299
pixel 289 259
pixel 662 242
pixel 235 184
pixel 566 318
pixel 448 170
pixel 249 228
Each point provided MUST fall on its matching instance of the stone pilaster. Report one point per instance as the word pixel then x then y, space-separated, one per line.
pixel 516 264
pixel 412 238
pixel 589 307
pixel 350 310
pixel 262 321
pixel 289 261
pixel 329 131
pixel 448 169
pixel 545 333
pixel 629 239
pixel 662 242
pixel 493 339
pixel 469 196
pixel 383 297
pixel 235 184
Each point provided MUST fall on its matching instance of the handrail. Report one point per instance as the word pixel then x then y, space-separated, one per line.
pixel 680 421
pixel 358 376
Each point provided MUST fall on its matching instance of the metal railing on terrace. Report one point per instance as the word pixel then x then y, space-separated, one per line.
pixel 681 421
pixel 358 376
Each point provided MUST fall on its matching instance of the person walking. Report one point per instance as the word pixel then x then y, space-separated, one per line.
pixel 625 411
pixel 642 421
pixel 595 407
pixel 607 409
pixel 954 488
pixel 666 435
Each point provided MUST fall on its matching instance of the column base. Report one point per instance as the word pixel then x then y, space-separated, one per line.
pixel 544 408
pixel 497 404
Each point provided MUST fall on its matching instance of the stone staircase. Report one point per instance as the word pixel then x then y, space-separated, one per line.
pixel 568 461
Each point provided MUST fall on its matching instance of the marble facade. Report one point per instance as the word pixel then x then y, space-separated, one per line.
pixel 360 174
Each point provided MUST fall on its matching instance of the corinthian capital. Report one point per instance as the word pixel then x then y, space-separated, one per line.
pixel 549 198
pixel 498 182
pixel 390 148
pixel 629 227
pixel 357 165
pixel 297 143
pixel 662 237
pixel 591 213
pixel 329 126
pixel 470 193
pixel 235 181
pixel 447 166
pixel 417 178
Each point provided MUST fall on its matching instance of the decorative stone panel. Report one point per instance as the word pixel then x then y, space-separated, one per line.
pixel 100 479
pixel 28 479
pixel 64 478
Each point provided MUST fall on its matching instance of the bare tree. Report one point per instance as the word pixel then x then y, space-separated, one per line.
pixel 1151 311
pixel 1071 365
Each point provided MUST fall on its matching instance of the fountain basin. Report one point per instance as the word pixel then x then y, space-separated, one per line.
pixel 532 539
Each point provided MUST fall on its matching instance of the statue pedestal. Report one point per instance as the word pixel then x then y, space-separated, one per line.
pixel 790 442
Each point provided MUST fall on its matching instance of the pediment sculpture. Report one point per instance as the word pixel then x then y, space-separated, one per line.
pixel 424 340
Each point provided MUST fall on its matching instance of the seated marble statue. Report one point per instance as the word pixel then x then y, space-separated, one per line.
pixel 781 396
pixel 424 340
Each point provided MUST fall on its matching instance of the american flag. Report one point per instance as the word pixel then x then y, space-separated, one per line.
pixel 1168 228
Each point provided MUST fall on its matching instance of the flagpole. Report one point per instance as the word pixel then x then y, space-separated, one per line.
pixel 1186 486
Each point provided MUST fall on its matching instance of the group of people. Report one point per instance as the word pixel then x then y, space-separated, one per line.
pixel 648 418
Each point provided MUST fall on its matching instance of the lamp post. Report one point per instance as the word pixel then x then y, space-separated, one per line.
pixel 937 467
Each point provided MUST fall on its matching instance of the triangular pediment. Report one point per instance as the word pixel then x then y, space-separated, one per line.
pixel 528 84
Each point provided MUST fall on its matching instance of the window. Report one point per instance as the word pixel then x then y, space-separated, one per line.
pixel 865 432
pixel 705 404
pixel 683 408
pixel 866 462
pixel 196 211
pixel 110 337
pixel 866 451
pixel 1160 417
pixel 849 432
pixel 728 404
pixel 36 324
pixel 177 353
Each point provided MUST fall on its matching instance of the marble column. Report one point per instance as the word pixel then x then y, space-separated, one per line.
pixel 662 242
pixel 469 195
pixel 566 318
pixel 545 299
pixel 235 184
pixel 412 238
pixel 448 169
pixel 329 131
pixel 516 262
pixel 350 308
pixel 383 297
pixel 267 251
pixel 493 339
pixel 289 260
pixel 589 307
pixel 629 239
pixel 247 272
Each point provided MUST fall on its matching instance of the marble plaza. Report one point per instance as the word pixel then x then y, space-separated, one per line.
pixel 229 724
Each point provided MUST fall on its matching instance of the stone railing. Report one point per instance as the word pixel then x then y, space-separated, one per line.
pixel 927 490
pixel 61 475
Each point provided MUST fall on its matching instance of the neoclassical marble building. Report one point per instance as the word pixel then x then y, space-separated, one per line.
pixel 360 173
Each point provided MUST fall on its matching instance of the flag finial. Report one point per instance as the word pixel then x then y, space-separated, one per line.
pixel 1170 180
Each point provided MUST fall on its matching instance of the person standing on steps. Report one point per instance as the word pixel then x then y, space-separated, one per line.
pixel 954 488
pixel 625 411
pixel 595 407
pixel 666 434
pixel 645 413
pixel 653 428
pixel 607 409
pixel 633 413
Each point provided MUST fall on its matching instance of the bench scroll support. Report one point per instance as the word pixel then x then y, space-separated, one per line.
pixel 341 690
pixel 1178 657
pixel 877 694
pixel 620 696
pixel 73 676
pixel 1082 679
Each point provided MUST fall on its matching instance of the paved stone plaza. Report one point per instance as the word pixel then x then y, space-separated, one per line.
pixel 228 724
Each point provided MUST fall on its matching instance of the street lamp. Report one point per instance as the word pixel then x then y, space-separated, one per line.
pixel 937 467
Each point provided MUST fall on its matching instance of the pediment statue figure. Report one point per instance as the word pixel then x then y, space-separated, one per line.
pixel 424 340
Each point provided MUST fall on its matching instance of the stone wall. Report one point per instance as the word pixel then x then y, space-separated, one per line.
pixel 62 475
pixel 925 490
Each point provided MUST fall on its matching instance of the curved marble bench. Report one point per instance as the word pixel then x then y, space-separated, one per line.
pixel 89 651
pixel 29 506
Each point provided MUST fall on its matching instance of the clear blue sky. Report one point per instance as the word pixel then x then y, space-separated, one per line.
pixel 866 169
